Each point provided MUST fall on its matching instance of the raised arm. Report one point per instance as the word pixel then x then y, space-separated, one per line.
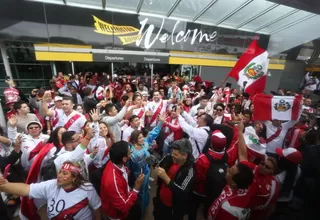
pixel 242 147
pixel 44 104
pixel 19 189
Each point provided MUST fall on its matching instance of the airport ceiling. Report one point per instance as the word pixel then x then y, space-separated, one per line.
pixel 259 16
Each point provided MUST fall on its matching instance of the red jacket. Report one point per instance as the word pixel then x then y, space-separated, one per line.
pixel 201 169
pixel 116 199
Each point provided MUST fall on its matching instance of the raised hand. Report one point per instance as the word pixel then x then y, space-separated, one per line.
pixel 94 115
pixel 47 96
pixel 13 120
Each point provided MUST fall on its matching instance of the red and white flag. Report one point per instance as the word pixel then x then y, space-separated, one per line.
pixel 252 68
pixel 284 108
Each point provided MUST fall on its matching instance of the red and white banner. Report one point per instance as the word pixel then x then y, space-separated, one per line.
pixel 268 107
pixel 251 69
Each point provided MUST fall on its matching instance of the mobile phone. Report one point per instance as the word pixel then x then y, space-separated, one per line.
pixel 6 171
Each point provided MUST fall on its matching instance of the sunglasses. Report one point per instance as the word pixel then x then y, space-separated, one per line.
pixel 219 110
pixel 265 165
pixel 36 127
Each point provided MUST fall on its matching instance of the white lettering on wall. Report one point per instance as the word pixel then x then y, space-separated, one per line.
pixel 146 35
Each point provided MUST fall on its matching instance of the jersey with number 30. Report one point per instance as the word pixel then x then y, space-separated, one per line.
pixel 61 204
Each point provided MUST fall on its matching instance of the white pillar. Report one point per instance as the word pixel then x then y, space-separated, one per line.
pixel 151 79
pixel 2 119
pixel 5 59
pixel 72 67
pixel 54 68
pixel 112 72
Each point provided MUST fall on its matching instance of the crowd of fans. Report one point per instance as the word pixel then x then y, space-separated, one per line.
pixel 88 147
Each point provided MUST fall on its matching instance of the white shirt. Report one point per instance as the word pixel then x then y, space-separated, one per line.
pixel 127 133
pixel 194 110
pixel 98 160
pixel 72 156
pixel 195 134
pixel 59 200
pixel 63 119
pixel 27 145
pixel 137 112
pixel 153 106
pixel 278 141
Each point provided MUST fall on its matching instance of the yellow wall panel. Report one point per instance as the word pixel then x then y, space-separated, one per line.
pixel 59 56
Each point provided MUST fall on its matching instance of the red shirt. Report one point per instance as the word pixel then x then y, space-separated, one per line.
pixel 201 168
pixel 165 191
pixel 231 205
pixel 267 191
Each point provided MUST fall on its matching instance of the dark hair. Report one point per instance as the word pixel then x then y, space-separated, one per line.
pixel 68 98
pixel 18 105
pixel 208 119
pixel 80 180
pixel 54 137
pixel 247 112
pixel 204 97
pixel 87 91
pixel 221 105
pixel 108 108
pixel 134 136
pixel 136 95
pixel 77 105
pixel 131 119
pixel 183 146
pixel 244 177
pixel 67 137
pixel 124 98
pixel 118 151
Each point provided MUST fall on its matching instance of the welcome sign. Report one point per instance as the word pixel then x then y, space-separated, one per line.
pixel 144 36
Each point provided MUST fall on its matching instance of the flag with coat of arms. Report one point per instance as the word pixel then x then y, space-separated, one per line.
pixel 284 108
pixel 251 69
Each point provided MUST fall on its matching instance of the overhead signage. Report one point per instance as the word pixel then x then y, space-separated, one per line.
pixel 126 58
pixel 145 37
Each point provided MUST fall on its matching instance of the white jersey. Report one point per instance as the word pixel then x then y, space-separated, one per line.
pixel 99 160
pixel 76 125
pixel 138 112
pixel 27 145
pixel 72 156
pixel 75 204
pixel 153 106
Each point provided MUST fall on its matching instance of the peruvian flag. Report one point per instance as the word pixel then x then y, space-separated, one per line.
pixel 251 69
pixel 284 108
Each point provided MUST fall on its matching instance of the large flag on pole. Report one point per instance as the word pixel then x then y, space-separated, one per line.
pixel 284 108
pixel 251 69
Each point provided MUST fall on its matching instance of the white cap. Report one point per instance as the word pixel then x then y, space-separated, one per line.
pixel 58 98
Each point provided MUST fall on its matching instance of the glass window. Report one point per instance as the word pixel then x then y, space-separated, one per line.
pixel 21 55
pixel 189 8
pixel 157 7
pixel 92 3
pixel 270 16
pixel 219 10
pixel 123 4
pixel 2 71
pixel 27 71
pixel 283 22
pixel 249 11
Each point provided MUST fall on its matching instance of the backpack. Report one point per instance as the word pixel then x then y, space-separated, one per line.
pixel 207 145
pixel 49 171
pixel 216 177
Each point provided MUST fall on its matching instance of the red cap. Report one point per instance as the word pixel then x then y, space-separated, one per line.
pixel 290 154
pixel 218 140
